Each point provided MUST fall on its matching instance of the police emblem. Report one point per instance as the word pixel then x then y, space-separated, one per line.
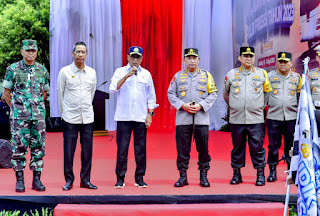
pixel 275 91
pixel 136 49
pixel 236 90
pixel 183 93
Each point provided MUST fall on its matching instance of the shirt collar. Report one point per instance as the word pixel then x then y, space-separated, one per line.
pixel 75 69
pixel 128 67
pixel 25 65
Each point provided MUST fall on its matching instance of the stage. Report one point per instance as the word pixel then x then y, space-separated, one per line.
pixel 160 176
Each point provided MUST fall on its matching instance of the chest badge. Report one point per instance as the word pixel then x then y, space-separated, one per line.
pixel 292 92
pixel 314 88
pixel 201 93
pixel 275 91
pixel 73 76
pixel 236 90
pixel 183 93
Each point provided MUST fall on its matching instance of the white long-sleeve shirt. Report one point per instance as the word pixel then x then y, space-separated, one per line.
pixel 135 96
pixel 76 90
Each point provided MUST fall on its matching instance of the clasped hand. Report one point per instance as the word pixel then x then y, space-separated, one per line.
pixel 191 108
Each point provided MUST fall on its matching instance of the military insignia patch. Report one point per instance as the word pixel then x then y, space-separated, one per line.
pixel 236 90
pixel 225 79
pixel 173 79
pixel 183 93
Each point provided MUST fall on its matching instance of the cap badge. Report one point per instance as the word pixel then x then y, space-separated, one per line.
pixel 248 49
pixel 136 49
pixel 283 55
pixel 191 51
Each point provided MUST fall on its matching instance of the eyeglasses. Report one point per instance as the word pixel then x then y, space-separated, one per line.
pixel 80 52
pixel 135 57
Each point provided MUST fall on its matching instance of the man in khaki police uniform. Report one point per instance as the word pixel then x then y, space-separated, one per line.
pixel 314 81
pixel 246 91
pixel 192 92
pixel 282 112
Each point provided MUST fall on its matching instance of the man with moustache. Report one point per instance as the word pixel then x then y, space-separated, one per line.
pixel 136 101
pixel 282 112
pixel 246 92
pixel 76 86
pixel 192 92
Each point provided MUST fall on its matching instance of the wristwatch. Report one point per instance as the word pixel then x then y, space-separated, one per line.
pixel 151 113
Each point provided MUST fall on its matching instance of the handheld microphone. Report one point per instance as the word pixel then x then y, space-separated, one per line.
pixel 135 72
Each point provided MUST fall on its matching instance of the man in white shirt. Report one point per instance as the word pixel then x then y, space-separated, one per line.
pixel 136 101
pixel 76 86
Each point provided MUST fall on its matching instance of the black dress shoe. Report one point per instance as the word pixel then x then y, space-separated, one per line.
pixel 67 187
pixel 88 185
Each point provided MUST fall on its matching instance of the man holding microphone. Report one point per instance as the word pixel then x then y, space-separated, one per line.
pixel 136 101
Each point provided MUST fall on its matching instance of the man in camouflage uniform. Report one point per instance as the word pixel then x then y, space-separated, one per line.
pixel 246 92
pixel 25 89
pixel 192 92
pixel 282 112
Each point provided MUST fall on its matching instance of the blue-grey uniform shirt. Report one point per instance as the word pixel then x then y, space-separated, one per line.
pixel 283 101
pixel 186 87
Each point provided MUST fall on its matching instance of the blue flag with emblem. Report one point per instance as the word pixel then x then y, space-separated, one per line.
pixel 306 149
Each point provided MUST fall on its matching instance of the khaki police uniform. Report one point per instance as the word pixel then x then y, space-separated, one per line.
pixel 282 112
pixel 314 82
pixel 246 93
pixel 186 87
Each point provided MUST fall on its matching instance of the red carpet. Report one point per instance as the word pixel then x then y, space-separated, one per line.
pixel 244 209
pixel 160 175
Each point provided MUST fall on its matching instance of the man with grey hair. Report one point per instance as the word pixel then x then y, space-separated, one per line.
pixel 76 87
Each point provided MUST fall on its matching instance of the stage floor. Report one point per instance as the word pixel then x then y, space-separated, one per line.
pixel 160 176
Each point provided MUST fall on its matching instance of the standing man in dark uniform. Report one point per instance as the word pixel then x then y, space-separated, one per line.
pixel 28 81
pixel 246 92
pixel 192 92
pixel 282 112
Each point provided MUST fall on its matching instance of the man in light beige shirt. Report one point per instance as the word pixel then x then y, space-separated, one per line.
pixel 76 86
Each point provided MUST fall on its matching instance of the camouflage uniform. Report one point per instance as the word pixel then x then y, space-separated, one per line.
pixel 27 113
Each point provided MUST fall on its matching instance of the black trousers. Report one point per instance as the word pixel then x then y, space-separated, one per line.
pixel 70 136
pixel 124 130
pixel 184 139
pixel 277 129
pixel 239 133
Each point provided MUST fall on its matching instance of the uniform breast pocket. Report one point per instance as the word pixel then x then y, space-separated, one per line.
pixel 142 85
pixel 256 86
pixel 182 91
pixel 202 90
pixel 236 87
pixel 40 85
pixel 21 83
pixel 73 83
